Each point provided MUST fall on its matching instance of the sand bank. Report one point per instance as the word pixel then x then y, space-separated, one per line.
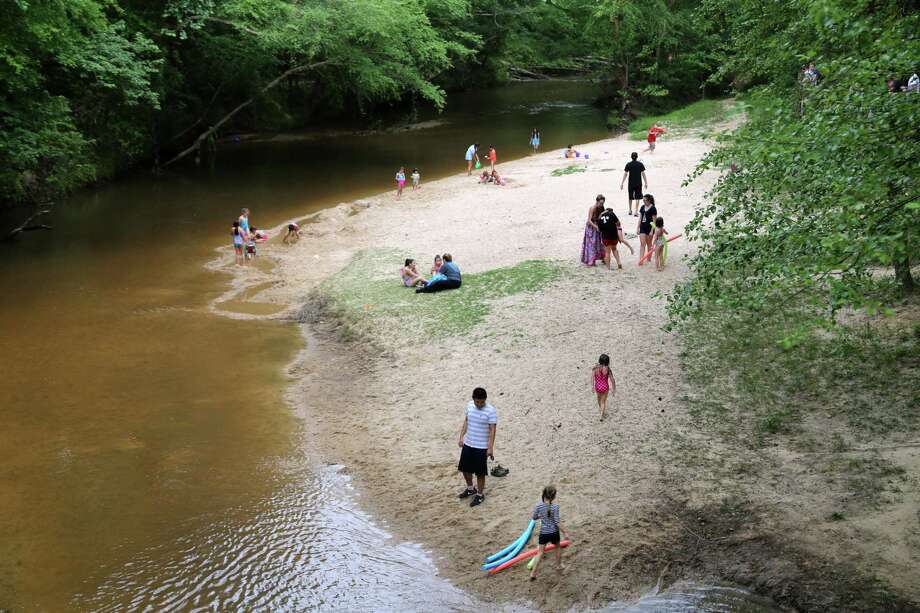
pixel 388 404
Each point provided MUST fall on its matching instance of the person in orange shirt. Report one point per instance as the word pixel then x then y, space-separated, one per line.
pixel 653 133
pixel 492 157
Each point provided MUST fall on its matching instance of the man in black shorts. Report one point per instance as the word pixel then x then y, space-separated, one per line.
pixel 635 170
pixel 477 442
pixel 611 234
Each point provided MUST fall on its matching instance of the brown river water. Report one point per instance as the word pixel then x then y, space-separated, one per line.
pixel 148 460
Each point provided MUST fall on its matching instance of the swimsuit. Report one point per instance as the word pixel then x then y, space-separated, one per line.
pixel 600 382
pixel 237 239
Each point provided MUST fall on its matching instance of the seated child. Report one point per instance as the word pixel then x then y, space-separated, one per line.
pixel 570 152
pixel 496 178
pixel 485 177
pixel 410 275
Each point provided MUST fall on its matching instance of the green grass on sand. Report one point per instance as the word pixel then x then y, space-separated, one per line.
pixel 367 297
pixel 694 116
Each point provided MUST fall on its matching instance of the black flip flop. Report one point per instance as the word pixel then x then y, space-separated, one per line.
pixel 470 491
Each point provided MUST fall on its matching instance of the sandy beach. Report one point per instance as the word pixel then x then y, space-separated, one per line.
pixel 387 402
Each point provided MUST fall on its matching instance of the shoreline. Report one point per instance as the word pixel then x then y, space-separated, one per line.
pixel 630 505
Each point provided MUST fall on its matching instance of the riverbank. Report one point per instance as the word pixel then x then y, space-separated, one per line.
pixel 645 493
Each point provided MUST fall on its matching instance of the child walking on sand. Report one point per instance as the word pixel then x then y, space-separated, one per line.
pixel 603 382
pixel 550 526
pixel 416 177
pixel 658 241
pixel 400 181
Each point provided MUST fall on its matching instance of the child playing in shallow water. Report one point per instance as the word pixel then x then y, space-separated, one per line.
pixel 658 240
pixel 550 526
pixel 603 382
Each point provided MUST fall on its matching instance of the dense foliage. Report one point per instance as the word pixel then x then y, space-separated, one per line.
pixel 91 86
pixel 823 190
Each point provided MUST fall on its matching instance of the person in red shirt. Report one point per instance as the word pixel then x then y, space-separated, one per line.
pixel 653 133
pixel 492 157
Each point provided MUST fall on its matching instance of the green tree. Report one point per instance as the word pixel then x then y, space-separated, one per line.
pixel 824 187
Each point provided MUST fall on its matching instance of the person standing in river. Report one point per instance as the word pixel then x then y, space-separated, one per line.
pixel 477 443
pixel 244 223
pixel 635 171
pixel 472 156
pixel 535 139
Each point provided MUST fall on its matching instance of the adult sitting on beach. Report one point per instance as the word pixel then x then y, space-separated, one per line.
pixel 477 442
pixel 410 275
pixel 452 280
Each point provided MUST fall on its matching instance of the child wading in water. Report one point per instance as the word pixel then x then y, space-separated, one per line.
pixel 603 382
pixel 658 241
pixel 550 526
pixel 400 182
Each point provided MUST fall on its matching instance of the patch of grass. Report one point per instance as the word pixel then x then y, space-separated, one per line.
pixel 697 115
pixel 865 478
pixel 568 170
pixel 751 387
pixel 366 297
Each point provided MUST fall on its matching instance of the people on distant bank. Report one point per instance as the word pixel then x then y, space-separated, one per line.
pixel 570 152
pixel 635 171
pixel 491 177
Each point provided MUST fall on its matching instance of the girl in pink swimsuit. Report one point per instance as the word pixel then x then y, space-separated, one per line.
pixel 603 382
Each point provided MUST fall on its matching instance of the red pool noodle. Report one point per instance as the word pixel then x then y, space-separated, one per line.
pixel 648 256
pixel 524 556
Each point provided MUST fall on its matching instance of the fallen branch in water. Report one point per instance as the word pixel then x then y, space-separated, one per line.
pixel 26 227
pixel 204 135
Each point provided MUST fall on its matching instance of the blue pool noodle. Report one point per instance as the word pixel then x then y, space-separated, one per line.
pixel 517 546
pixel 504 552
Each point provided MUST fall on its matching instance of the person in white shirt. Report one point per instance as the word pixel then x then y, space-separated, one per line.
pixel 477 442
pixel 472 155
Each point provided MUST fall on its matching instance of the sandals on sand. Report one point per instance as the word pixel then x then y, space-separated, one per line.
pixel 499 471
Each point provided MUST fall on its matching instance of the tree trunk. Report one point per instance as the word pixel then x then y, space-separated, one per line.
pixel 903 276
pixel 194 147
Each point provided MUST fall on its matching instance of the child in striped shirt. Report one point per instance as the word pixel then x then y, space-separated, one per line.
pixel 550 526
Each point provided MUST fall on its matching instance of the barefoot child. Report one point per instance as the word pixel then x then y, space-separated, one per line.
pixel 416 177
pixel 548 514
pixel 237 235
pixel 400 181
pixel 658 241
pixel 292 235
pixel 410 275
pixel 603 382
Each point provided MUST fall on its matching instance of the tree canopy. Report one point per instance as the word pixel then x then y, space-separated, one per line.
pixel 823 182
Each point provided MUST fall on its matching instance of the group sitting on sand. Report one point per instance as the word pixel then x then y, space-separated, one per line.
pixel 493 177
pixel 444 275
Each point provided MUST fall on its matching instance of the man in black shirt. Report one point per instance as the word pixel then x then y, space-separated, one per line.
pixel 611 234
pixel 635 170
